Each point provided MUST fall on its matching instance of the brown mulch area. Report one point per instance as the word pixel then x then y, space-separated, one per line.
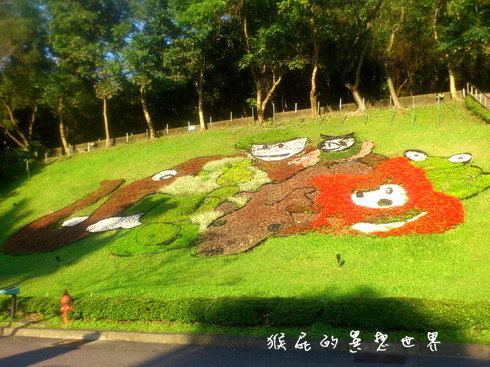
pixel 43 235
pixel 275 209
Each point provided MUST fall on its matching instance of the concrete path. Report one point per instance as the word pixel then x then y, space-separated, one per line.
pixel 42 352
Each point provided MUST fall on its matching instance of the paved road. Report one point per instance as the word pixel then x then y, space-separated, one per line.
pixel 37 352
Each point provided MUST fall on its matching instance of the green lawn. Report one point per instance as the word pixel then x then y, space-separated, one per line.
pixel 453 265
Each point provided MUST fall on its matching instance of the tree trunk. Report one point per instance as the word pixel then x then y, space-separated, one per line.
pixel 260 109
pixel 200 97
pixel 313 98
pixel 32 119
pixel 20 140
pixel 452 84
pixel 393 94
pixel 151 130
pixel 357 97
pixel 64 140
pixel 106 122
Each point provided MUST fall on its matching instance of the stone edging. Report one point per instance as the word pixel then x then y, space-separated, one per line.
pixel 443 350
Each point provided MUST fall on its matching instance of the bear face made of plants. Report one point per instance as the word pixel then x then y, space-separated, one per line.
pixel 395 199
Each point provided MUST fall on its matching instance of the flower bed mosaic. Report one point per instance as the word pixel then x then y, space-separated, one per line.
pixel 279 186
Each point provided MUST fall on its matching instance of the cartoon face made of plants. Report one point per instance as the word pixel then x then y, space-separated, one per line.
pixel 340 143
pixel 453 175
pixel 174 217
pixel 395 199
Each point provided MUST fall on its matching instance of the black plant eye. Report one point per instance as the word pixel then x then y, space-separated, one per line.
pixel 343 143
pixel 389 190
pixel 280 145
pixel 264 146
pixel 359 194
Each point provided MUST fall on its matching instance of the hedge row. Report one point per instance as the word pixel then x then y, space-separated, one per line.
pixel 369 313
pixel 477 109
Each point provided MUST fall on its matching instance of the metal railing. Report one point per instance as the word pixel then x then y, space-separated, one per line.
pixel 477 94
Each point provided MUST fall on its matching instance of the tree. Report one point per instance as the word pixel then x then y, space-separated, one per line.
pixel 392 17
pixel 269 50
pixel 150 30
pixel 356 22
pixel 198 23
pixel 21 65
pixel 461 30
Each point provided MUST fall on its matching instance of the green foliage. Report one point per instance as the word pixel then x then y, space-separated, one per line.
pixel 235 173
pixel 44 305
pixel 152 238
pixel 224 192
pixel 228 311
pixel 267 137
pixel 173 209
pixel 456 179
pixel 408 314
pixel 477 109
pixel 146 204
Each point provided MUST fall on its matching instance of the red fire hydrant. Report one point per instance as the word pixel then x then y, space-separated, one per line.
pixel 65 307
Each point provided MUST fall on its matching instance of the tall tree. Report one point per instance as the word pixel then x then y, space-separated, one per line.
pixel 356 21
pixel 198 22
pixel 21 66
pixel 149 34
pixel 269 53
pixel 462 31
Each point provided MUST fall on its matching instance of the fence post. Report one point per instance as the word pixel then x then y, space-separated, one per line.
pixel 413 110
pixel 253 116
pixel 88 147
pixel 27 169
pixel 438 112
pixel 390 100
pixel 146 133
pixel 363 104
pixel 127 138
pixel 295 107
pixel 273 111
pixel 166 128
pixel 46 157
pixel 231 115
pixel 340 104
pixel 463 91
pixel 318 109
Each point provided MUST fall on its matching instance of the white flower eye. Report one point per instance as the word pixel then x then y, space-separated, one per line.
pixel 460 158
pixel 415 155
pixel 164 175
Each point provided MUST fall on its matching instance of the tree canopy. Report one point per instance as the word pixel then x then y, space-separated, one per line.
pixel 85 70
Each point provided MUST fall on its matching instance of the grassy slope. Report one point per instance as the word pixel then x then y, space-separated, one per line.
pixel 450 265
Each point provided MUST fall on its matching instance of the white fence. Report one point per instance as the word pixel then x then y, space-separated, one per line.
pixel 477 94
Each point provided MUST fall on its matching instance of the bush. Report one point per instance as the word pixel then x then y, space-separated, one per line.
pixel 44 305
pixel 407 314
pixel 226 311
pixel 477 109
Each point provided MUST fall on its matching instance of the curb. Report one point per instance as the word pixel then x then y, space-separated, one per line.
pixel 246 342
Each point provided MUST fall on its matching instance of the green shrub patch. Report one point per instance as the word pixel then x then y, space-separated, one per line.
pixel 477 109
pixel 154 238
pixel 407 314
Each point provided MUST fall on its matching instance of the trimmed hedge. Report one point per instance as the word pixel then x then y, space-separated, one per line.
pixel 410 314
pixel 477 109
pixel 225 311
pixel 44 305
